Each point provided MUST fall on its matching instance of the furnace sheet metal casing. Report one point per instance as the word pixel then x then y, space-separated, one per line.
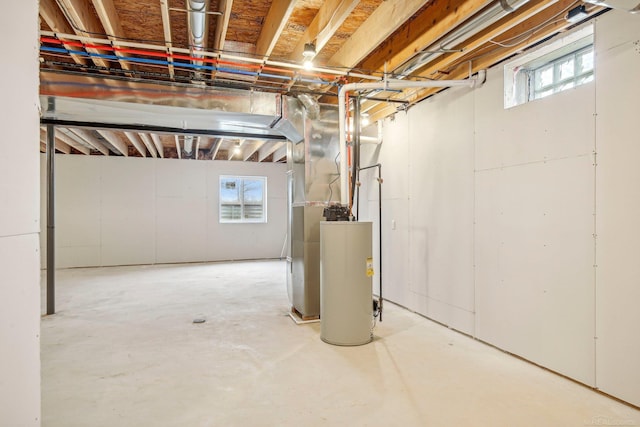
pixel 346 298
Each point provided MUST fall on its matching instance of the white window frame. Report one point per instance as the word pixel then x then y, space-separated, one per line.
pixel 518 81
pixel 242 219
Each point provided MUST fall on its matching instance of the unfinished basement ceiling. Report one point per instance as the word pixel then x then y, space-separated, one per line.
pixel 257 46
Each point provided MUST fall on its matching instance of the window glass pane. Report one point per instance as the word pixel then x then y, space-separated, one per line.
pixel 230 190
pixel 566 86
pixel 566 68
pixel 585 61
pixel 544 76
pixel 253 190
pixel 231 212
pixel 544 93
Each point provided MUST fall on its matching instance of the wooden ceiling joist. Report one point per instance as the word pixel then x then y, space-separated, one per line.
pixel 274 23
pixel 146 140
pixel 158 144
pixel 178 150
pixel 386 19
pixel 329 18
pixel 166 28
pixel 60 145
pixel 84 23
pixel 280 153
pixel 89 138
pixel 136 142
pixel 253 149
pixel 437 19
pixel 268 149
pixel 222 23
pixel 539 27
pixel 50 12
pixel 73 143
pixel 108 16
pixel 114 139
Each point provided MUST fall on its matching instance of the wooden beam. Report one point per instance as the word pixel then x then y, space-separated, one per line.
pixel 222 23
pixel 90 139
pixel 115 140
pixel 490 54
pixel 146 140
pixel 60 145
pixel 166 27
pixel 251 151
pixel 216 147
pixel 386 19
pixel 50 12
pixel 329 18
pixel 268 149
pixel 108 16
pixel 84 23
pixel 436 20
pixel 274 23
pixel 73 143
pixel 178 150
pixel 280 153
pixel 156 141
pixel 136 142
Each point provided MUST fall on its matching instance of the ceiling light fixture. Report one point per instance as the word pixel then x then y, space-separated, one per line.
pixel 308 53
pixel 236 149
pixel 577 14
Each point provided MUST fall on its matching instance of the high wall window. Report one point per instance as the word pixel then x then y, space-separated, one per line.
pixel 243 199
pixel 554 67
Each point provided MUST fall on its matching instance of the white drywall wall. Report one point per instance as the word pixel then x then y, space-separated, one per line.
pixel 618 206
pixel 19 219
pixel 494 216
pixel 120 211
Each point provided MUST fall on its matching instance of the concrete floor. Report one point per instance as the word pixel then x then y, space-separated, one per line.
pixel 123 351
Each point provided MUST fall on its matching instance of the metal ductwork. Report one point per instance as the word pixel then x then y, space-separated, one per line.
pixel 198 28
pixel 497 10
pixel 631 6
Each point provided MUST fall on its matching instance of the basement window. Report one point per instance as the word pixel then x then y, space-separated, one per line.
pixel 555 67
pixel 243 199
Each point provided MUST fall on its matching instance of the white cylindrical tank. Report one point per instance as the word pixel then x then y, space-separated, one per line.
pixel 346 268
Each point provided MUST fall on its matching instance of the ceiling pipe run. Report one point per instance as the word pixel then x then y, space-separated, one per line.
pixel 384 85
pixel 198 29
pixel 497 10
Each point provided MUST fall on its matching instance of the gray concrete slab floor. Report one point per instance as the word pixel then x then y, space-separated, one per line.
pixel 123 350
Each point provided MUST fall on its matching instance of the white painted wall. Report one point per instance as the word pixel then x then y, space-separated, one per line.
pixel 124 211
pixel 19 220
pixel 494 216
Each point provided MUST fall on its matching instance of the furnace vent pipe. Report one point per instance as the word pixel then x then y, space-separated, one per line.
pixel 384 85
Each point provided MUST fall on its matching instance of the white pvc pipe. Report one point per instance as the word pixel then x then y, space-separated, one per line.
pixel 386 84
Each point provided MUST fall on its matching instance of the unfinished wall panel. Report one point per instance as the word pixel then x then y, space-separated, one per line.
pixel 618 206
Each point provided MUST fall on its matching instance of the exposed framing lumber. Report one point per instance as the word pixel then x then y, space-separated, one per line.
pixel 60 145
pixel 216 147
pixel 222 23
pixel 425 29
pixel 280 154
pixel 146 140
pixel 490 54
pixel 54 18
pixel 115 140
pixel 255 147
pixel 84 23
pixel 108 16
pixel 158 144
pixel 329 18
pixel 178 150
pixel 386 19
pixel 73 143
pixel 166 27
pixel 268 149
pixel 87 137
pixel 274 23
pixel 136 142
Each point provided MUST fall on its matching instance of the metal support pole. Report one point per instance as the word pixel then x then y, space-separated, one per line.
pixel 51 237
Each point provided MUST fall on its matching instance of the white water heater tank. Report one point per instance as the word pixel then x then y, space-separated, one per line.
pixel 346 270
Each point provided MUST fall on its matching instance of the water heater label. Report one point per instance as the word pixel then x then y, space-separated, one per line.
pixel 369 267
